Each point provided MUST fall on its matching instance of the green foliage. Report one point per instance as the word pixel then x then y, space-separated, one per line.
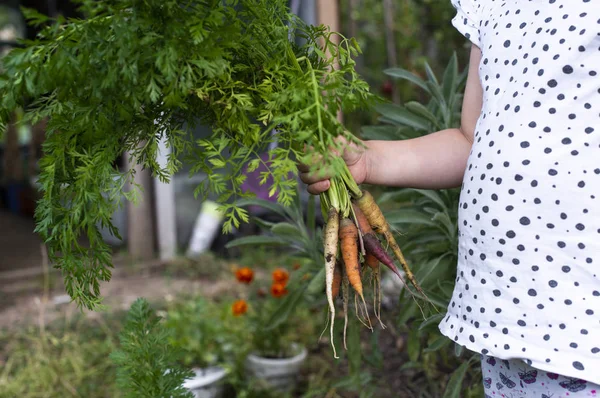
pixel 301 238
pixel 422 33
pixel 135 72
pixel 205 332
pixel 63 362
pixel 146 362
pixel 428 220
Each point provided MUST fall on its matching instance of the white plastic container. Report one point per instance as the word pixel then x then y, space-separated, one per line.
pixel 208 382
pixel 279 374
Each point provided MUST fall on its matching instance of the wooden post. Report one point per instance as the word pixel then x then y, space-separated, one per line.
pixel 166 228
pixel 140 228
pixel 328 14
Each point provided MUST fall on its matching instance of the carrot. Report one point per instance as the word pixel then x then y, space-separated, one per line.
pixel 373 263
pixel 345 294
pixel 331 232
pixel 373 247
pixel 348 244
pixel 337 279
pixel 378 223
pixel 363 224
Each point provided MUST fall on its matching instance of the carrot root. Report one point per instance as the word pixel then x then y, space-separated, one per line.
pixel 346 294
pixel 348 242
pixel 331 232
pixel 378 223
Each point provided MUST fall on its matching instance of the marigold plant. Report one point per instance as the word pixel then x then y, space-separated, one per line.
pixel 260 302
pixel 280 276
pixel 278 290
pixel 239 307
pixel 244 275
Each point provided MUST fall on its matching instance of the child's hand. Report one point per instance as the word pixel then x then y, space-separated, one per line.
pixel 356 159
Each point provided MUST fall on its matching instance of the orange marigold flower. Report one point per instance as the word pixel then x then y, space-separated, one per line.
pixel 280 276
pixel 239 307
pixel 296 266
pixel 278 290
pixel 244 275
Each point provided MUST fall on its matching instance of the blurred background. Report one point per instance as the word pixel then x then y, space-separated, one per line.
pixel 173 254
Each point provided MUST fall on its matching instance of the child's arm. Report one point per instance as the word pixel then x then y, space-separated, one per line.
pixel 434 161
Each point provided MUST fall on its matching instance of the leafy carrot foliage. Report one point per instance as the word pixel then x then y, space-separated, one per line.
pixel 134 72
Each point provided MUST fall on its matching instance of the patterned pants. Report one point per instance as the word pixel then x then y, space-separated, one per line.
pixel 516 379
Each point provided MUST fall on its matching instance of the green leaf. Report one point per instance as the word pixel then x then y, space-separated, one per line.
pixel 406 75
pixel 433 195
pixel 421 110
pixel 265 204
pixel 454 387
pixel 311 215
pixel 433 319
pixel 413 345
pixel 408 310
pixel 257 240
pixel 430 74
pixel 287 229
pixel 408 216
pixel 436 92
pixel 411 365
pixel 450 79
pixel 317 283
pixel 402 116
pixel 400 195
pixel 386 133
pixel 354 346
pixel 439 343
pixel 458 349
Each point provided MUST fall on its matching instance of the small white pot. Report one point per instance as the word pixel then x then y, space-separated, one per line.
pixel 278 374
pixel 207 382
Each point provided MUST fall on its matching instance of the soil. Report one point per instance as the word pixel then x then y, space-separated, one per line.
pixel 23 300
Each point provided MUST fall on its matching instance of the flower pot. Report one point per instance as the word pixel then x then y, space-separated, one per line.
pixel 207 382
pixel 278 374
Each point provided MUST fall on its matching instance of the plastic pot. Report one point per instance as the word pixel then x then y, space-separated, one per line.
pixel 207 382
pixel 277 373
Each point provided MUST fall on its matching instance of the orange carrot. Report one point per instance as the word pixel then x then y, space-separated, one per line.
pixel 337 279
pixel 371 261
pixel 363 223
pixel 349 246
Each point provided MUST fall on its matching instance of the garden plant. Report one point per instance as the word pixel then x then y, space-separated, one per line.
pixel 133 73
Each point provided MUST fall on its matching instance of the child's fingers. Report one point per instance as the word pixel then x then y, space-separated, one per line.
pixel 318 187
pixel 308 177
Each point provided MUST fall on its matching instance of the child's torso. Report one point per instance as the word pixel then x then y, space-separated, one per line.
pixel 528 282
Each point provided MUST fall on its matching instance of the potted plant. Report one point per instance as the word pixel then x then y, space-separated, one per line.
pixel 200 329
pixel 275 356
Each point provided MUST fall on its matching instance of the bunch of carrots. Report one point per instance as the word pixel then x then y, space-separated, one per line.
pixel 352 244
